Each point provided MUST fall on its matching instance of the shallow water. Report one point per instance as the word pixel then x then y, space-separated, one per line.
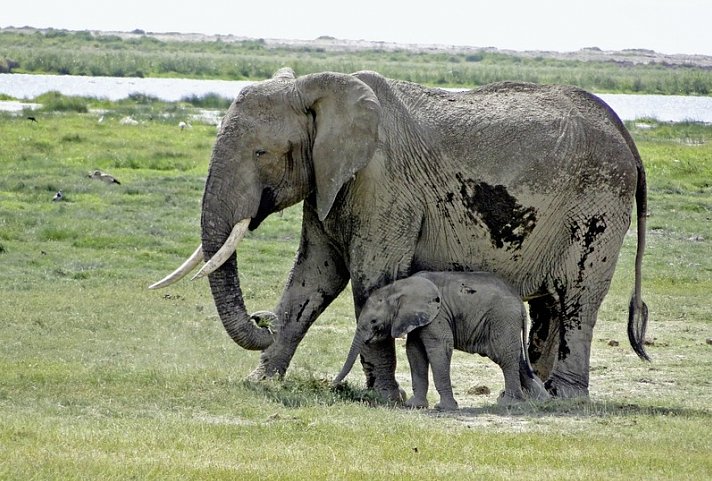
pixel 666 108
pixel 23 86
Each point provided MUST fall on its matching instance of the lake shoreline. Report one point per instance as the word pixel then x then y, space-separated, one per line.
pixel 23 88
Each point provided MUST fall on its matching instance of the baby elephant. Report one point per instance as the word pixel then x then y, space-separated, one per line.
pixel 475 312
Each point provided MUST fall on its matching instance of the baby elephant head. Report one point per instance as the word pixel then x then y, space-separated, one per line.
pixel 394 310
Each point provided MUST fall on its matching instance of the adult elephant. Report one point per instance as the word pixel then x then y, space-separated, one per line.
pixel 535 183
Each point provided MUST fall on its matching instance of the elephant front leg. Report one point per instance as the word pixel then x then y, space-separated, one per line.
pixel 440 357
pixel 295 319
pixel 379 358
pixel 382 252
pixel 379 366
pixel 418 361
pixel 317 278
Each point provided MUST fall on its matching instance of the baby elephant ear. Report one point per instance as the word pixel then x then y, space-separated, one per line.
pixel 418 302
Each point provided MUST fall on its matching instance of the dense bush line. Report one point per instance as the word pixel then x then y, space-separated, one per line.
pixel 83 53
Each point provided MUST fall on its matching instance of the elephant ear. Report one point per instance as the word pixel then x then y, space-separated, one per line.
pixel 418 301
pixel 347 115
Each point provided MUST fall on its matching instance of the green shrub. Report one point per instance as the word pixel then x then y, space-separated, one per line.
pixel 208 101
pixel 54 101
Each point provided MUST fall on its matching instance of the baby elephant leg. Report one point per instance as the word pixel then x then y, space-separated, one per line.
pixel 509 354
pixel 418 360
pixel 512 385
pixel 440 356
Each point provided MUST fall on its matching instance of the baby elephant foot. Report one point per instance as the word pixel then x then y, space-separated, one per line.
pixel 447 405
pixel 415 403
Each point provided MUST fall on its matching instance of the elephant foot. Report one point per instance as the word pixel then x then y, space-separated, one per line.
pixel 273 363
pixel 260 374
pixel 264 371
pixel 447 405
pixel 387 389
pixel 561 388
pixel 392 395
pixel 507 399
pixel 414 403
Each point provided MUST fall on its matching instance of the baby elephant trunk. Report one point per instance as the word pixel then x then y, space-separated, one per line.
pixel 350 359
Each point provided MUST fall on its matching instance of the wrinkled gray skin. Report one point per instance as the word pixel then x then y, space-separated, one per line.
pixel 475 312
pixel 535 183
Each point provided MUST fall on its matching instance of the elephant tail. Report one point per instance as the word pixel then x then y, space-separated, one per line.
pixel 638 310
pixel 531 384
pixel 526 365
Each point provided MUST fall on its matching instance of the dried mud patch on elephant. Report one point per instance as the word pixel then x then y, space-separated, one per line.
pixel 587 235
pixel 508 221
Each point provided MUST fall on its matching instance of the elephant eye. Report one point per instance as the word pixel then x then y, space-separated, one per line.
pixel 259 153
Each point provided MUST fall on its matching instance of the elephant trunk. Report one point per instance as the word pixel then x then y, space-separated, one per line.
pixel 221 212
pixel 350 359
pixel 225 288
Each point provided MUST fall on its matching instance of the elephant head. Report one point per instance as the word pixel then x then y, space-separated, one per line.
pixel 394 310
pixel 282 141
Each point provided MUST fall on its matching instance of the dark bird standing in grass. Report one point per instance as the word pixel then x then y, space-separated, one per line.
pixel 104 177
pixel 32 119
pixel 58 196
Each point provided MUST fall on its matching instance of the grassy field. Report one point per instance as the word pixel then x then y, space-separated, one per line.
pixel 83 53
pixel 101 378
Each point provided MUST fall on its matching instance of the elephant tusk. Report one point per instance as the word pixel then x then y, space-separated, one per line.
pixel 182 271
pixel 227 249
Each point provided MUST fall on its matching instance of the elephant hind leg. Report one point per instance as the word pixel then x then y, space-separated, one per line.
pixel 560 341
pixel 546 320
pixel 570 375
pixel 561 336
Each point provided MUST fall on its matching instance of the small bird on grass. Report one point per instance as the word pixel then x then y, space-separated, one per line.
pixel 104 177
pixel 32 119
pixel 58 196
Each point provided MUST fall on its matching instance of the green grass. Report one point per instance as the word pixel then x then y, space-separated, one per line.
pixel 101 378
